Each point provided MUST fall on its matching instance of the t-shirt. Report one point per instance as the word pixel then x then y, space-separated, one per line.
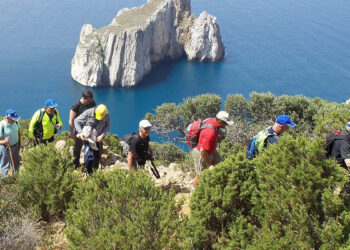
pixel 208 138
pixel 341 149
pixel 139 146
pixel 79 108
pixel 10 130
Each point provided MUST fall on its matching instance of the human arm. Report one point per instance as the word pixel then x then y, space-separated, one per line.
pixel 80 121
pixel 72 116
pixel 32 124
pixel 347 163
pixel 205 156
pixel 59 123
pixel 105 129
pixel 130 160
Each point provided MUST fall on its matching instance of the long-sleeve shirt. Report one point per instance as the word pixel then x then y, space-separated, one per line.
pixel 48 124
pixel 87 118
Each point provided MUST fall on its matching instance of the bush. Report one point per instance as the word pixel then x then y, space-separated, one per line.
pixel 47 181
pixel 288 197
pixel 121 210
pixel 221 207
pixel 167 153
pixel 17 230
pixel 297 204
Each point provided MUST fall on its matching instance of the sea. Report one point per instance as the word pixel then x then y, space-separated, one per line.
pixel 293 47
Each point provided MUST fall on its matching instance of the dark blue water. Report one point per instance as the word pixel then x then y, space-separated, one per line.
pixel 286 47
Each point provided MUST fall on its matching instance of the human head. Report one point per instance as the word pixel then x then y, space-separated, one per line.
pixel 50 106
pixel 12 116
pixel 282 124
pixel 100 112
pixel 223 119
pixel 144 128
pixel 87 97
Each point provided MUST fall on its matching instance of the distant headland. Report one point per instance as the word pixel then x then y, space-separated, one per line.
pixel 123 52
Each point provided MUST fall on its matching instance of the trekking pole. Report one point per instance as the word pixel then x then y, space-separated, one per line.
pixel 155 170
pixel 13 165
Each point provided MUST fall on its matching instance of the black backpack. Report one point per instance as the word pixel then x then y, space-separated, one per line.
pixel 330 139
pixel 126 143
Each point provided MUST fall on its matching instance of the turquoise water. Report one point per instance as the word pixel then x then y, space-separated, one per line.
pixel 286 47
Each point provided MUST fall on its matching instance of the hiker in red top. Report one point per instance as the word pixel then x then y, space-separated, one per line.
pixel 205 154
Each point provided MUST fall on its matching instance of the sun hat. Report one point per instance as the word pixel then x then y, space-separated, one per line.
pixel 50 103
pixel 12 114
pixel 348 127
pixel 225 117
pixel 284 120
pixel 145 124
pixel 100 112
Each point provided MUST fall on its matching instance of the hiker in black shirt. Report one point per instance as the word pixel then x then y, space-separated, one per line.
pixel 85 102
pixel 341 149
pixel 140 149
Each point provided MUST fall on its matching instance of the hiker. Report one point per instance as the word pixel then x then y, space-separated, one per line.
pixel 44 123
pixel 341 147
pixel 136 146
pixel 205 154
pixel 97 119
pixel 85 102
pixel 10 143
pixel 269 135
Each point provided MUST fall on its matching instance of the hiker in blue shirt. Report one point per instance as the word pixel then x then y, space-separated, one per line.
pixel 269 135
pixel 10 143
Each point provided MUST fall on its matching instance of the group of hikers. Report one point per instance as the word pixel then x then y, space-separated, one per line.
pixel 89 125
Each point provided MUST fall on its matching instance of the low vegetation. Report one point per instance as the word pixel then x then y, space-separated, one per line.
pixel 288 197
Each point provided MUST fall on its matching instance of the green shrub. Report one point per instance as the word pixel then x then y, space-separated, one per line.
pixel 48 180
pixel 121 210
pixel 297 205
pixel 113 143
pixel 167 153
pixel 221 206
pixel 17 230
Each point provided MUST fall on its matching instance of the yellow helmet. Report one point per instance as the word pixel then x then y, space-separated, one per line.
pixel 100 112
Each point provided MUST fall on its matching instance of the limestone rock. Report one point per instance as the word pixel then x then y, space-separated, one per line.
pixel 348 101
pixel 60 144
pixel 121 53
pixel 205 41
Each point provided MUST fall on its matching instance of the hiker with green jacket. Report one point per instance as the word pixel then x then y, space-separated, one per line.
pixel 269 135
pixel 44 123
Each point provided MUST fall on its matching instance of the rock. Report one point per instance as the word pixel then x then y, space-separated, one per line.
pixel 205 41
pixel 348 101
pixel 123 52
pixel 60 144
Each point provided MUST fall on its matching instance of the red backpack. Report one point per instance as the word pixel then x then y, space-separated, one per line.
pixel 193 130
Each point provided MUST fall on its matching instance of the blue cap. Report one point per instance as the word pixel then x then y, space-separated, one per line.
pixel 50 103
pixel 348 127
pixel 284 120
pixel 12 114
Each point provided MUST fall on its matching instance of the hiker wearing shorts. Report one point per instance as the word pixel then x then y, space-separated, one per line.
pixel 341 148
pixel 205 154
pixel 44 123
pixel 139 149
pixel 85 102
pixel 10 143
pixel 98 119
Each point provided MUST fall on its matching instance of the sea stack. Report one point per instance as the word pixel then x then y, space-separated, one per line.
pixel 123 52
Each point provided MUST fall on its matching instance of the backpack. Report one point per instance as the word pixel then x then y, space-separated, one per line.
pixel 258 142
pixel 38 127
pixel 125 143
pixel 330 139
pixel 193 131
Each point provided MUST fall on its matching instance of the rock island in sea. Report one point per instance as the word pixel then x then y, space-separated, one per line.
pixel 123 52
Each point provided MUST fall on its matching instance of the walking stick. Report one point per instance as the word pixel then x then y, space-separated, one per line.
pixel 13 165
pixel 155 170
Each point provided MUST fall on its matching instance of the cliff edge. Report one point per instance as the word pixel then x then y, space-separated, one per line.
pixel 121 53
